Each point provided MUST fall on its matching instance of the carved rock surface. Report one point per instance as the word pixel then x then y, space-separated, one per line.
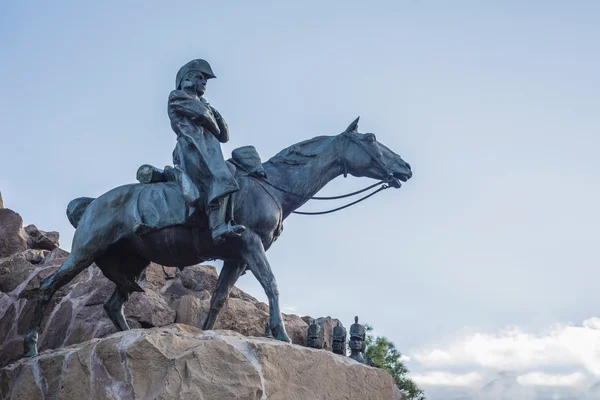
pixel 42 240
pixel 182 362
pixel 13 238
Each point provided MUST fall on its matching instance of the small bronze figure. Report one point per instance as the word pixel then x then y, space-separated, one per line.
pixel 268 333
pixel 339 339
pixel 358 343
pixel 314 336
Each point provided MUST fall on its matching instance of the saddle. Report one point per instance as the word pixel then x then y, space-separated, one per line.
pixel 162 205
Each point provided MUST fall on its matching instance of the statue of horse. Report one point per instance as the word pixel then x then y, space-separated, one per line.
pixel 107 227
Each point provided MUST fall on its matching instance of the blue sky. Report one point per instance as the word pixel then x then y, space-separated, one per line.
pixel 494 105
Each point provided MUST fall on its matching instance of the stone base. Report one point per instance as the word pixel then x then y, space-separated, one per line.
pixel 181 362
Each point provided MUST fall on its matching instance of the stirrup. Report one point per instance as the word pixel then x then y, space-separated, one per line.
pixel 226 230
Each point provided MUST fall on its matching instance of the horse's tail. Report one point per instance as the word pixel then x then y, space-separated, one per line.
pixel 76 208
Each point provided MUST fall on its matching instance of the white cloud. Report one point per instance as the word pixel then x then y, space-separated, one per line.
pixel 562 345
pixel 544 379
pixel 505 385
pixel 592 323
pixel 560 362
pixel 438 378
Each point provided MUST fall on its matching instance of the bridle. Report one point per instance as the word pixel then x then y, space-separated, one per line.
pixel 374 156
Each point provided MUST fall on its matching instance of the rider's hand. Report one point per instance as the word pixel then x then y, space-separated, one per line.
pixel 215 112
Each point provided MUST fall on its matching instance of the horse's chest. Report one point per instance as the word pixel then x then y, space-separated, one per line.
pixel 260 213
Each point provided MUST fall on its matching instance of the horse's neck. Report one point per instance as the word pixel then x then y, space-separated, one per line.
pixel 304 181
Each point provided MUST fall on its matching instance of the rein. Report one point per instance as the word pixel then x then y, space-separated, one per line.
pixel 383 187
pixel 343 196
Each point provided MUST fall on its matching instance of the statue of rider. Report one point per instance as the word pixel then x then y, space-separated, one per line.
pixel 201 170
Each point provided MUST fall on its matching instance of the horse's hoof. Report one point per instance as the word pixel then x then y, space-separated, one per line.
pixel 30 347
pixel 282 335
pixel 31 353
pixel 284 338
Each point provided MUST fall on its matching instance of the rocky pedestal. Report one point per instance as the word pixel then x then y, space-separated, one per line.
pixel 182 362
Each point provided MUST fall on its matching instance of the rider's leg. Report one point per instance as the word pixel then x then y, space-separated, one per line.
pixel 189 190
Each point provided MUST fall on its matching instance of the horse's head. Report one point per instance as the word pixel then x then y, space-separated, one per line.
pixel 364 156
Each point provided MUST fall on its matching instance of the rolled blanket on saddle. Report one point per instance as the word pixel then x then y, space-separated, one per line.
pixel 150 174
pixel 247 159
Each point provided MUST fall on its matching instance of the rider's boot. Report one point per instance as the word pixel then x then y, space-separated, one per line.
pixel 219 228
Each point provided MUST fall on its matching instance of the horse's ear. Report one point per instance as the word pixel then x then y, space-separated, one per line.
pixel 353 127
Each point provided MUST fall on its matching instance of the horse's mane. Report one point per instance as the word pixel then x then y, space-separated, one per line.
pixel 302 152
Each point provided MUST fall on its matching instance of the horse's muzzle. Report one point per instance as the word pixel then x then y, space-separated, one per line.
pixel 393 181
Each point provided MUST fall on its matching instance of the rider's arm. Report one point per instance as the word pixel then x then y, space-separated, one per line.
pixel 182 104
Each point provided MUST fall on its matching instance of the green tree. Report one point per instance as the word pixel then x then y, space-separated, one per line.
pixel 385 355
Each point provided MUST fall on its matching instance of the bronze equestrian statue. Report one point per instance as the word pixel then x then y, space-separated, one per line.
pixel 163 220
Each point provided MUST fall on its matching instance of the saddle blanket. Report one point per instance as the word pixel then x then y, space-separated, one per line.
pixel 158 205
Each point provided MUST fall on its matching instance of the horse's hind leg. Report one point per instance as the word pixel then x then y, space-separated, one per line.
pixel 124 268
pixel 72 266
pixel 114 308
pixel 230 273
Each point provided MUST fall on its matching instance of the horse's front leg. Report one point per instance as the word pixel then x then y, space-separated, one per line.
pixel 255 257
pixel 230 273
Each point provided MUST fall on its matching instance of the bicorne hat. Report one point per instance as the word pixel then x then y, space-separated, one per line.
pixel 197 65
